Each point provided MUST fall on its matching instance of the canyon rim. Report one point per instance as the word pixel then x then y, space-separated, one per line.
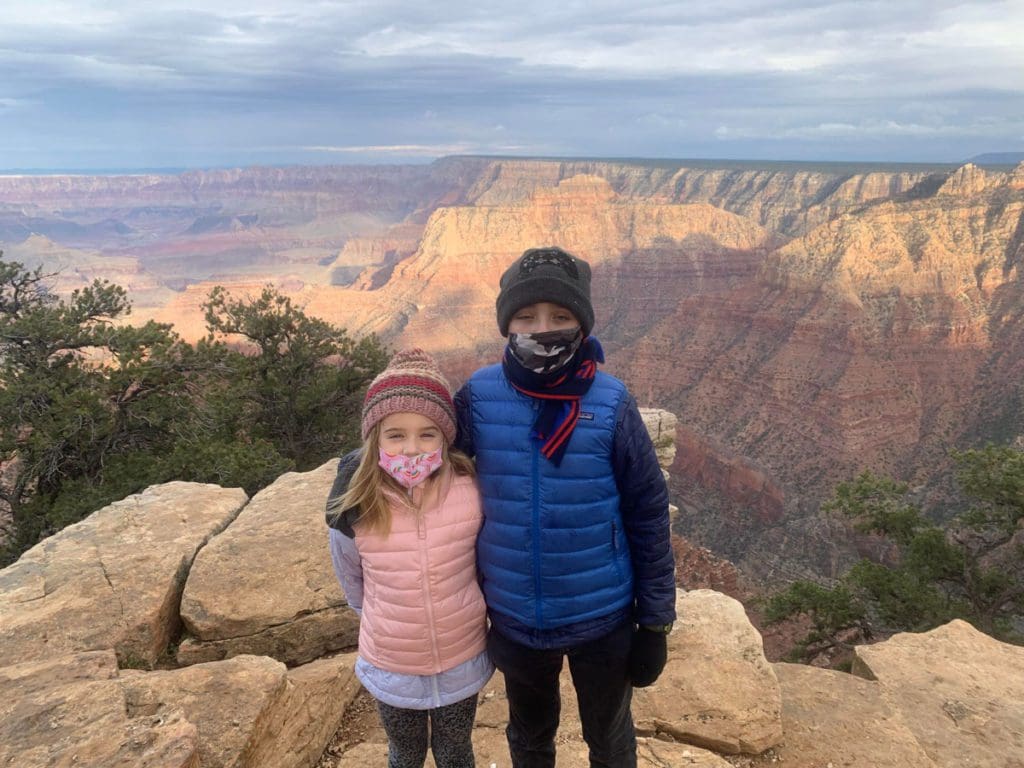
pixel 805 322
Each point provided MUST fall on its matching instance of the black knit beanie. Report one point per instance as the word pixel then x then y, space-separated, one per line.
pixel 546 274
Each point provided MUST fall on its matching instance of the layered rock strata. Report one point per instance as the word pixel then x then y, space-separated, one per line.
pixel 804 322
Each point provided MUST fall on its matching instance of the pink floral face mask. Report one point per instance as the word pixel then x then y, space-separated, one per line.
pixel 410 471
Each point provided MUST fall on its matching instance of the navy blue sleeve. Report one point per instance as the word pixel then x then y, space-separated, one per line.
pixel 464 418
pixel 342 519
pixel 645 517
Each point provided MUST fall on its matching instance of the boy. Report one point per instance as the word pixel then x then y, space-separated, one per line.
pixel 575 554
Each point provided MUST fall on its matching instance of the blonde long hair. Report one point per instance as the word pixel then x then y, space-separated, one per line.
pixel 368 489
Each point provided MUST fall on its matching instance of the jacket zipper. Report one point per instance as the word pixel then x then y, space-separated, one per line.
pixel 539 613
pixel 421 536
pixel 615 551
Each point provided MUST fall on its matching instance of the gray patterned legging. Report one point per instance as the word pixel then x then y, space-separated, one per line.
pixel 451 728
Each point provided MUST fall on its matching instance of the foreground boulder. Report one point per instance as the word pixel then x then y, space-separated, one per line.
pixel 311 709
pixel 230 722
pixel 832 718
pixel 265 586
pixel 960 692
pixel 113 579
pixel 718 690
pixel 247 712
pixel 71 711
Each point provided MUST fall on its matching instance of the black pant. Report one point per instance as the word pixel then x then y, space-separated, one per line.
pixel 599 672
pixel 451 729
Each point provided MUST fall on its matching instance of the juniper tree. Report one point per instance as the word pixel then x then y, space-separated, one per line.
pixel 297 381
pixel 93 409
pixel 972 568
pixel 79 396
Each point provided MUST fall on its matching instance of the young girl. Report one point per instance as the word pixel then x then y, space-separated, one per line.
pixel 575 552
pixel 404 515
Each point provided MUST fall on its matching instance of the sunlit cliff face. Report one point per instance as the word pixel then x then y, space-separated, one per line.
pixel 804 324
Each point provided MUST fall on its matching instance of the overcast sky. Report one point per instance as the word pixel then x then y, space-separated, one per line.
pixel 181 83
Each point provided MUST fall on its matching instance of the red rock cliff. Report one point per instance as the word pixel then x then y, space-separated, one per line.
pixel 804 323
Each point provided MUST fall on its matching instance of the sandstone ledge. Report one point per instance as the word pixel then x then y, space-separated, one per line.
pixel 960 692
pixel 266 585
pixel 248 712
pixel 114 579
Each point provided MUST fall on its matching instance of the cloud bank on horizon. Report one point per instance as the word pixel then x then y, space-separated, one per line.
pixel 176 83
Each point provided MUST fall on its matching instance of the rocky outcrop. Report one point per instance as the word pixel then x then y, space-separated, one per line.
pixel 717 691
pixel 251 710
pixel 1016 178
pixel 661 425
pixel 967 180
pixel 718 695
pixel 315 699
pixel 80 710
pixel 265 585
pixel 961 693
pixel 229 723
pixel 72 711
pixel 365 263
pixel 832 718
pixel 115 579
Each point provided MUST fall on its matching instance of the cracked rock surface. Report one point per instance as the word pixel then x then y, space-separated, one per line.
pixel 265 585
pixel 114 579
pixel 961 693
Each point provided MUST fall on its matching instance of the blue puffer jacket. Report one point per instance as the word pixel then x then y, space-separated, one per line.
pixel 564 547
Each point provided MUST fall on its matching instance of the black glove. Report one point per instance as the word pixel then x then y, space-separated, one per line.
pixel 647 656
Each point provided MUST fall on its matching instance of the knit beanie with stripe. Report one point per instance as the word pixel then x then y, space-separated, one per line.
pixel 412 383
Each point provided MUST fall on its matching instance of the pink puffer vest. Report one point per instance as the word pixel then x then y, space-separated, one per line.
pixel 423 612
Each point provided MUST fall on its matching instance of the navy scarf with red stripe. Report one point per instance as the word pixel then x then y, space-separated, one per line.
pixel 560 393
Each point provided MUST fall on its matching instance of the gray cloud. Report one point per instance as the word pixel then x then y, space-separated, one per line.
pixel 172 82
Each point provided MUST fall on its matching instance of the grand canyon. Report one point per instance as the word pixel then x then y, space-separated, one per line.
pixel 803 321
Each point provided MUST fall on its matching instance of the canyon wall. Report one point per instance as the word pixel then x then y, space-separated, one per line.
pixel 805 322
